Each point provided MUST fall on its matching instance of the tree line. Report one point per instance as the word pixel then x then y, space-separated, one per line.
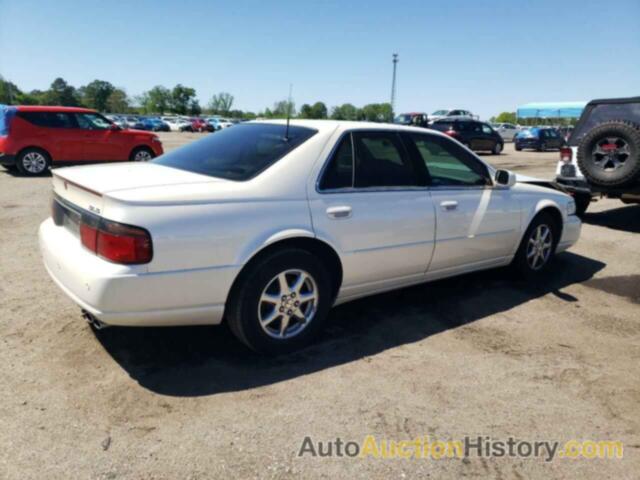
pixel 105 97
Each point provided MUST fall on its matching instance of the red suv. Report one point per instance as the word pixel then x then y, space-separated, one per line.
pixel 32 138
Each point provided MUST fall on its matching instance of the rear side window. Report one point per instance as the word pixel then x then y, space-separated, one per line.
pixel 49 119
pixel 371 159
pixel 339 171
pixel 382 161
pixel 237 153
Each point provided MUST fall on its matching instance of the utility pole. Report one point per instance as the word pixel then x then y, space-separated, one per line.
pixel 393 82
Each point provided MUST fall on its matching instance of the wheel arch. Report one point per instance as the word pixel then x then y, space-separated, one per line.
pixel 141 146
pixel 545 206
pixel 35 147
pixel 300 239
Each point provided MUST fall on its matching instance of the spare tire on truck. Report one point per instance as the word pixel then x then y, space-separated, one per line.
pixel 609 154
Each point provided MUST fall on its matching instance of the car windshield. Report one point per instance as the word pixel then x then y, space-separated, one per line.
pixel 440 112
pixel 237 153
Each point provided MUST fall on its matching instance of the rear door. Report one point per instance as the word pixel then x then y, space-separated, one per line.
pixel 477 225
pixel 57 133
pixel 372 203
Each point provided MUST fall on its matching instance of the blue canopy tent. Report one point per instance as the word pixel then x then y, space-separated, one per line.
pixel 551 110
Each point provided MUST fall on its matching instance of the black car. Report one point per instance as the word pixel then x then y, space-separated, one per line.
pixel 476 135
pixel 539 138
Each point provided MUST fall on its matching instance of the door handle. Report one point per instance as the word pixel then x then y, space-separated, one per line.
pixel 449 205
pixel 339 212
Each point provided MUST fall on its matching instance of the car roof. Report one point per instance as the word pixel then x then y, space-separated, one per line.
pixel 331 125
pixel 53 108
pixel 614 100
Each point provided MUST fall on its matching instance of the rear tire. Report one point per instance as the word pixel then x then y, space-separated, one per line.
pixel 33 162
pixel 538 246
pixel 518 148
pixel 609 154
pixel 275 316
pixel 542 147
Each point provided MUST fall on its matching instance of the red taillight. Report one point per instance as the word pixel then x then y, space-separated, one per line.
pixel 452 133
pixel 565 154
pixel 116 242
pixel 89 236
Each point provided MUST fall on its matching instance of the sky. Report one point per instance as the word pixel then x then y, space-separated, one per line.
pixel 486 56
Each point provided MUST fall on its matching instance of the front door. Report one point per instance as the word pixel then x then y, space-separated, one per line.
pixel 372 204
pixel 100 141
pixel 476 223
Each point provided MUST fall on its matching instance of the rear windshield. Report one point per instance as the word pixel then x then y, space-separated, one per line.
pixel 237 153
pixel 6 114
pixel 601 113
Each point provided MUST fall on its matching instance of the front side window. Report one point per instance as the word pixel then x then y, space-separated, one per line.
pixel 92 121
pixel 447 163
pixel 487 129
pixel 238 153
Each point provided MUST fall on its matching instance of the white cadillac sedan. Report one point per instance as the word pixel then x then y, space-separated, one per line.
pixel 267 226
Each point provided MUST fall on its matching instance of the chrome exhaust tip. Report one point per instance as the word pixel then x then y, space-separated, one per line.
pixel 93 321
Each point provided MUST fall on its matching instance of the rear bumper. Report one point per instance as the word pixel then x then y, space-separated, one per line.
pixel 129 295
pixel 570 233
pixel 7 160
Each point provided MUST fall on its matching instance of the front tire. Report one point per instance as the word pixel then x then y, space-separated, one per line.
pixel 280 302
pixel 33 162
pixel 141 154
pixel 497 148
pixel 538 246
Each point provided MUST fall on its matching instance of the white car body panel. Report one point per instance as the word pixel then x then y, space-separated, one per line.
pixel 205 229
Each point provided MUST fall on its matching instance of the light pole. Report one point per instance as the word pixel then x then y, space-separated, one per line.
pixel 393 82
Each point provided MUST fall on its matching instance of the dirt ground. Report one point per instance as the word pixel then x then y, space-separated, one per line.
pixel 480 355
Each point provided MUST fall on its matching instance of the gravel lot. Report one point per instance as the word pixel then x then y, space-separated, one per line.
pixel 477 355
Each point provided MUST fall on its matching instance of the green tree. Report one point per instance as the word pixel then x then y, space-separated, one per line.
pixel 96 94
pixel 156 100
pixel 194 107
pixel 376 112
pixel 221 103
pixel 345 111
pixel 318 110
pixel 182 98
pixel 61 93
pixel 118 102
pixel 506 117
pixel 281 109
pixel 9 92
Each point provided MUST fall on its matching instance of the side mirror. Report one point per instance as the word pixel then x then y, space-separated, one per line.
pixel 505 178
pixel 114 128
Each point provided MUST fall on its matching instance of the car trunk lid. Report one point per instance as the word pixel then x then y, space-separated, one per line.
pixel 87 186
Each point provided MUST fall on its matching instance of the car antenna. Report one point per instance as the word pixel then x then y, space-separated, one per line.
pixel 286 132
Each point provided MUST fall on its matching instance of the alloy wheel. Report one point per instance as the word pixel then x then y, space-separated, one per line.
pixel 611 153
pixel 539 247
pixel 288 304
pixel 34 162
pixel 142 156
